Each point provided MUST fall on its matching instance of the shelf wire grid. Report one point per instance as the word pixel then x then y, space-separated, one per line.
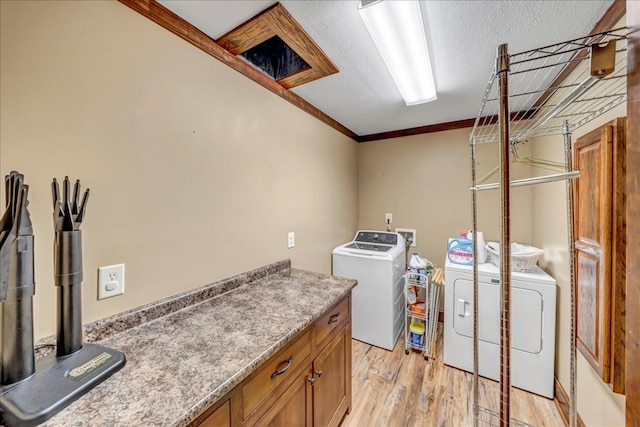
pixel 541 100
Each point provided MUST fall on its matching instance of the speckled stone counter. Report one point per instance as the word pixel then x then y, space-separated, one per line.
pixel 186 352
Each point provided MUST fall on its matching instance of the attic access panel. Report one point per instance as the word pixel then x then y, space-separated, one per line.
pixel 275 58
pixel 257 41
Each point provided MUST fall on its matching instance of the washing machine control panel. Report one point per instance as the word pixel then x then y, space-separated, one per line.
pixel 377 237
pixel 369 247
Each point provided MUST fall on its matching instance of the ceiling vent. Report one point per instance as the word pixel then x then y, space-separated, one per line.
pixel 277 45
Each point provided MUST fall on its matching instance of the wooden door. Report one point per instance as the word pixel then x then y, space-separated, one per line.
pixel 293 408
pixel 593 238
pixel 330 390
pixel 633 217
pixel 221 417
pixel 600 250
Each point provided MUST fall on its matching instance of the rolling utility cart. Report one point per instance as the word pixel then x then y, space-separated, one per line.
pixel 421 313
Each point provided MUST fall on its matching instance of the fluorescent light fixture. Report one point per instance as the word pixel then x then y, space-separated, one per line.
pixel 397 30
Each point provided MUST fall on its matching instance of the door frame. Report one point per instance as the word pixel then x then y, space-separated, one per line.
pixel 632 386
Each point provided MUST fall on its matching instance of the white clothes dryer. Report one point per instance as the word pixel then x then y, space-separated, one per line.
pixel 376 259
pixel 533 325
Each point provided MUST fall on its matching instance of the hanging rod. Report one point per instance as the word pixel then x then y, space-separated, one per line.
pixel 529 181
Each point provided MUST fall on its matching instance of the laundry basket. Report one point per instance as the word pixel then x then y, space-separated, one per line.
pixel 523 257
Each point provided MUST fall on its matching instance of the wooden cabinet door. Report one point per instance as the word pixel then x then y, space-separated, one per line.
pixel 293 408
pixel 593 238
pixel 331 389
pixel 276 373
pixel 221 417
pixel 599 233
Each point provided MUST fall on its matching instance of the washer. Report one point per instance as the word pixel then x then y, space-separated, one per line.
pixel 376 259
pixel 533 325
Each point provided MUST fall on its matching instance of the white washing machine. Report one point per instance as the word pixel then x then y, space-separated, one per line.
pixel 376 259
pixel 533 325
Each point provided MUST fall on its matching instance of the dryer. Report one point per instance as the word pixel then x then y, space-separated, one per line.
pixel 376 259
pixel 533 325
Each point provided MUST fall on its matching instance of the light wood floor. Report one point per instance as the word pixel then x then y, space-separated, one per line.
pixel 394 389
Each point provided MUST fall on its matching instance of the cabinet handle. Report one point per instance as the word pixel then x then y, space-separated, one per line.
pixel 312 381
pixel 319 373
pixel 334 318
pixel 283 370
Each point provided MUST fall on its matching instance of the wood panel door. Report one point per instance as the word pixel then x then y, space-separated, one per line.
pixel 330 390
pixel 293 408
pixel 600 247
pixel 221 417
pixel 593 237
pixel 633 217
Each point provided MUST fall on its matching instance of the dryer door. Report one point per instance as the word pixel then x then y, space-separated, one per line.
pixel 526 314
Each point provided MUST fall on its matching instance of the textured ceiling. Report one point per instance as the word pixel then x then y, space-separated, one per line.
pixel 463 37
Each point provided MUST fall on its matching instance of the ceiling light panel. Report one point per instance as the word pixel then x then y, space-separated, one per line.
pixel 397 29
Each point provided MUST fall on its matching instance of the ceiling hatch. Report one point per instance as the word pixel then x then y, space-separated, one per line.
pixel 276 44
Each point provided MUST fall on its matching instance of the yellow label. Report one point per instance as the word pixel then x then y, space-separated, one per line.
pixel 91 365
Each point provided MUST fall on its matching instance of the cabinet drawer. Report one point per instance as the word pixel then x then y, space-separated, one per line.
pixel 332 321
pixel 275 372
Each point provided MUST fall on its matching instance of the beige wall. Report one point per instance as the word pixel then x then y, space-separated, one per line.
pixel 597 405
pixel 196 172
pixel 423 181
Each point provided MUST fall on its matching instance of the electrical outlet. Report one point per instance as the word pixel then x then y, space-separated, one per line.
pixel 291 239
pixel 408 233
pixel 388 218
pixel 110 281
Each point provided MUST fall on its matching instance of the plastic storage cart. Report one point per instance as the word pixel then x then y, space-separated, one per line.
pixel 421 316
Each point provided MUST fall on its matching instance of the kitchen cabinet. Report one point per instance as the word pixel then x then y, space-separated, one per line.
pixel 275 373
pixel 600 245
pixel 306 383
pixel 293 408
pixel 332 386
pixel 317 397
pixel 221 417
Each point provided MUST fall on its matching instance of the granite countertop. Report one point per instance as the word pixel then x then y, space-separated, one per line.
pixel 186 352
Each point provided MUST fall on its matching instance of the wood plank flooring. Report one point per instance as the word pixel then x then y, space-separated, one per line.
pixel 392 389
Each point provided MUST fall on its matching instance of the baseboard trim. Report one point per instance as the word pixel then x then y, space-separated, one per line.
pixel 561 400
